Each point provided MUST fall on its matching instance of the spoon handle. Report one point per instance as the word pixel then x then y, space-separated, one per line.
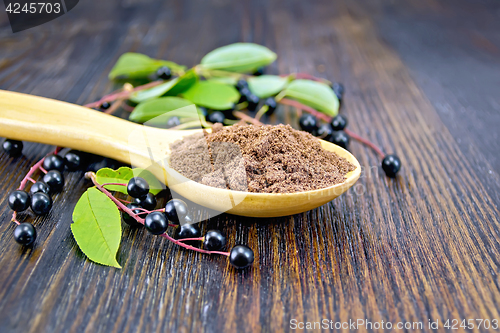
pixel 32 118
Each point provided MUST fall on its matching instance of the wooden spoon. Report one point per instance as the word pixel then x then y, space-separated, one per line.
pixel 38 119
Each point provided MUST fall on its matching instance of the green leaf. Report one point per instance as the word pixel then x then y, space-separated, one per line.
pixel 123 175
pixel 135 66
pixel 185 82
pixel 314 94
pixel 97 227
pixel 212 95
pixel 225 79
pixel 267 85
pixel 239 57
pixel 170 88
pixel 153 108
pixel 157 91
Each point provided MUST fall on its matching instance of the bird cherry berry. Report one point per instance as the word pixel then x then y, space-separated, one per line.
pixel 156 223
pixel 129 219
pixel 137 187
pixel 216 117
pixel 40 187
pixel 19 200
pixel 241 84
pixel 339 122
pixel 271 105
pixel 176 210
pixel 13 147
pixel 340 138
pixel 308 122
pixel 173 121
pixel 55 180
pixel 105 105
pixel 41 203
pixel 187 231
pixel 74 160
pixel 324 132
pixel 391 165
pixel 241 256
pixel 25 234
pixel 53 162
pixel 164 73
pixel 147 202
pixel 214 240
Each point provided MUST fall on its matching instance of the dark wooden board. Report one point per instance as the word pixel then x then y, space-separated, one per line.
pixel 421 80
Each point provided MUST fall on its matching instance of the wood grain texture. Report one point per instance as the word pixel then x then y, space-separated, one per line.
pixel 423 246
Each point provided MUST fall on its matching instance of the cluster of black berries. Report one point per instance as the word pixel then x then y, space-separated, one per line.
pixel 39 196
pixel 334 132
pixel 176 212
pixel 252 100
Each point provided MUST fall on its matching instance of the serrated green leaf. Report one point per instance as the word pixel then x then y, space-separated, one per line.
pixel 153 108
pixel 132 65
pixel 314 94
pixel 267 85
pixel 239 57
pixel 97 227
pixel 212 95
pixel 123 175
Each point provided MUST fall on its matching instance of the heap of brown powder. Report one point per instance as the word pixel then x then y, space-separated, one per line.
pixel 265 159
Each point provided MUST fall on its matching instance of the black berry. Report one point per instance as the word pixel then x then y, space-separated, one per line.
pixel 187 231
pixel 259 71
pixel 19 200
pixel 55 180
pixel 40 187
pixel 41 203
pixel 241 256
pixel 308 122
pixel 340 138
pixel 13 147
pixel 176 210
pixel 391 165
pixel 25 234
pixel 216 117
pixel 253 102
pixel 271 105
pixel 74 160
pixel 105 105
pixel 147 202
pixel 156 223
pixel 338 89
pixel 129 219
pixel 324 132
pixel 164 73
pixel 173 121
pixel 53 162
pixel 244 92
pixel 339 123
pixel 241 84
pixel 137 187
pixel 214 240
pixel 203 111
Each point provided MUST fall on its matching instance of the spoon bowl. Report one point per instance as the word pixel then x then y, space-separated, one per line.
pixel 31 118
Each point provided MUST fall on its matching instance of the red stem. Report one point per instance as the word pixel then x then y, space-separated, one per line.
pixel 121 94
pixel 365 142
pixel 33 169
pixel 124 208
pixel 307 76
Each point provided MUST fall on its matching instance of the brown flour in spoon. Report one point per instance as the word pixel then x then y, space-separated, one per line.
pixel 264 159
